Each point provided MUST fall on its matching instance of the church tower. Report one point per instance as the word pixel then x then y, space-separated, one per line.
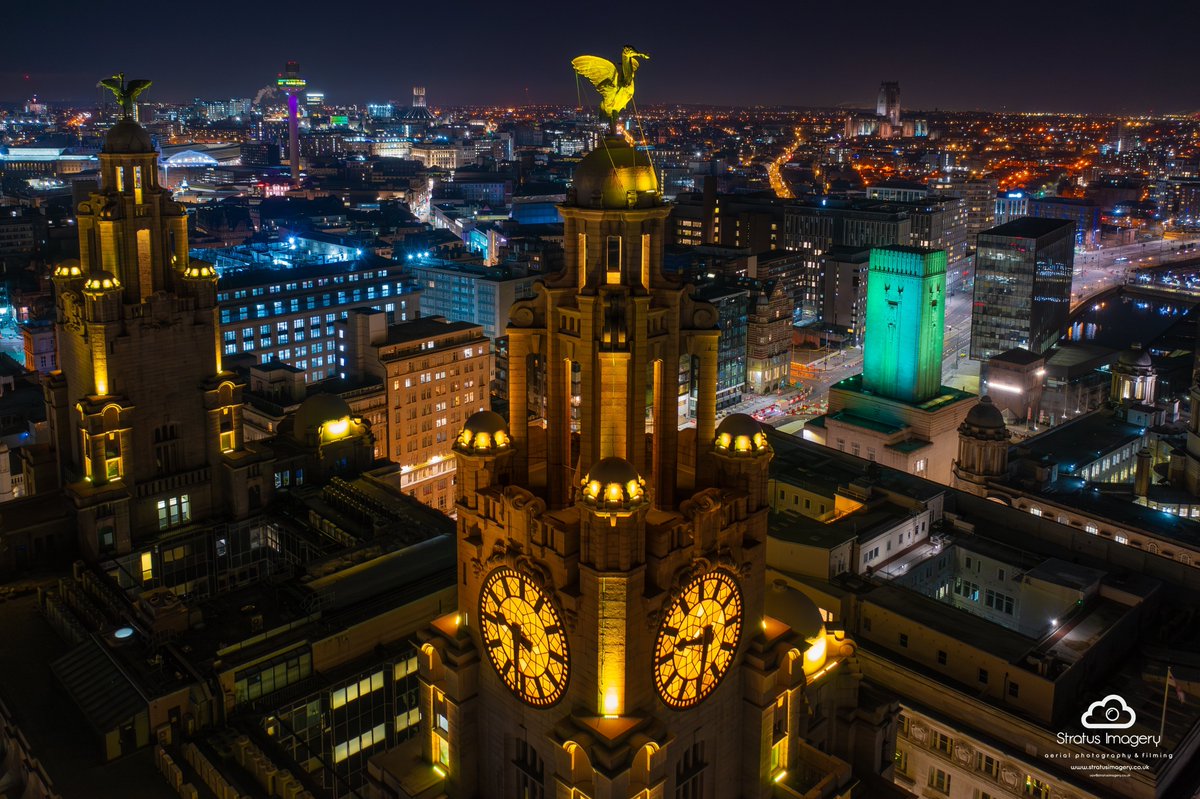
pixel 610 640
pixel 147 424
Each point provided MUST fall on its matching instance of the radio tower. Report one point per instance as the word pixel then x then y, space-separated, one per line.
pixel 292 84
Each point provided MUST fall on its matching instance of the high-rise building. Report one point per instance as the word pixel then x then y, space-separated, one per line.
pixel 897 412
pixel 888 104
pixel 1084 213
pixel 979 194
pixel 470 292
pixel 292 85
pixel 434 374
pixel 1022 286
pixel 1010 206
pixel 613 635
pixel 146 421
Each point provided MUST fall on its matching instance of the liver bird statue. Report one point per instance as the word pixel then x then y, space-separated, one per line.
pixel 126 93
pixel 614 85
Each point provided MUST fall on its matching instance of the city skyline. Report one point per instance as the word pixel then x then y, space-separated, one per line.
pixel 944 58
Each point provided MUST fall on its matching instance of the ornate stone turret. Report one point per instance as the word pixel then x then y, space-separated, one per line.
pixel 982 448
pixel 743 457
pixel 147 423
pixel 1133 377
pixel 483 451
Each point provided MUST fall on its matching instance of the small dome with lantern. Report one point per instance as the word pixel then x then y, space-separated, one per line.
pixel 100 282
pixel 200 270
pixel 484 433
pixel 740 434
pixel 613 484
pixel 68 269
pixel 985 415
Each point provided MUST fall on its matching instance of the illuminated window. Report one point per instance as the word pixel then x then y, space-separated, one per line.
pixel 1036 788
pixel 1036 511
pixel 901 761
pixel 612 262
pixel 147 567
pixel 228 434
pixel 174 511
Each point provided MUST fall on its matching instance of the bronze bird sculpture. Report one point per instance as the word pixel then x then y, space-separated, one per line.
pixel 614 85
pixel 126 93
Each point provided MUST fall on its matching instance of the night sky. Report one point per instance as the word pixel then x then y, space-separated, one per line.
pixel 1060 55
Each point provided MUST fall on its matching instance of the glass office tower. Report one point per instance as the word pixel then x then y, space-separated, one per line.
pixel 1022 286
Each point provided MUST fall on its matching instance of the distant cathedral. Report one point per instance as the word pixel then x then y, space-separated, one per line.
pixel 611 639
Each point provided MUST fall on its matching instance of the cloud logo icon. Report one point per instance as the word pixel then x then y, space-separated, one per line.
pixel 1110 713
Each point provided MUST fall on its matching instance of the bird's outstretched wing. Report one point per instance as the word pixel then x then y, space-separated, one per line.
pixel 136 87
pixel 599 71
pixel 113 84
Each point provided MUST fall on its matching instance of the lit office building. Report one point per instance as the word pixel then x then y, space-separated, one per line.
pixel 469 292
pixel 434 374
pixel 1022 286
pixel 282 302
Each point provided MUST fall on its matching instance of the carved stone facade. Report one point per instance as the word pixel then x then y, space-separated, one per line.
pixel 147 424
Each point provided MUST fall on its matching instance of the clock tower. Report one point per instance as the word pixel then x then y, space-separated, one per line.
pixel 610 640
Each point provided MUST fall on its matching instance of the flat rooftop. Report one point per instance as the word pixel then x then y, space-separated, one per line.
pixel 946 395
pixel 1028 227
pixel 1081 441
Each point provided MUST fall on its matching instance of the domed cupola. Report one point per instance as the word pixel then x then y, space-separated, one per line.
pixel 615 176
pixel 485 433
pixel 613 486
pixel 740 434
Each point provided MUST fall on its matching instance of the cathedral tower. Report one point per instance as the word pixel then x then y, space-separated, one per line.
pixel 610 640
pixel 147 424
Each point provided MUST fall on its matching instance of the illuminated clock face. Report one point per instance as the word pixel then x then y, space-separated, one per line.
pixel 697 639
pixel 524 637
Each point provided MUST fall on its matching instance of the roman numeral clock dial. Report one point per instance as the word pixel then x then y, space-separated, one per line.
pixel 698 639
pixel 523 637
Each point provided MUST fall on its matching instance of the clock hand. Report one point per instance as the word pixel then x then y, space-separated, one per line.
pixel 708 636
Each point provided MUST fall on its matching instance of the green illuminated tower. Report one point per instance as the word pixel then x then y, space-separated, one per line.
pixel 902 348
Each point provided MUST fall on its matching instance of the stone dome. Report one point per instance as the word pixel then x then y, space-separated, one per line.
pixel 1135 357
pixel 69 268
pixel 99 282
pixel 200 270
pixel 795 609
pixel 484 432
pixel 986 415
pixel 616 176
pixel 316 411
pixel 127 137
pixel 613 483
pixel 740 433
